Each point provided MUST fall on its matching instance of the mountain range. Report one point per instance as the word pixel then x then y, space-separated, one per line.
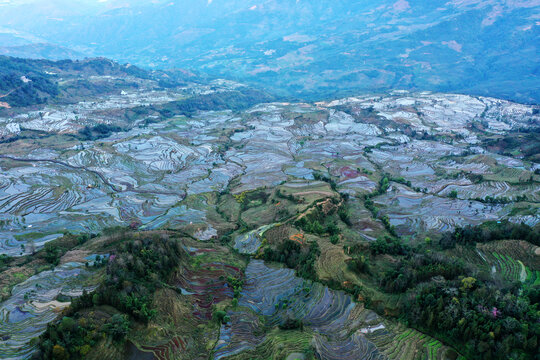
pixel 299 49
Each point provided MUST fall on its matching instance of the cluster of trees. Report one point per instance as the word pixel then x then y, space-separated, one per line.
pixel 282 195
pixel 133 274
pixel 368 204
pixel 44 85
pixel 344 215
pixel 525 140
pixel 419 268
pixel 497 200
pixel 315 227
pixel 36 91
pixel 389 245
pixel 236 285
pixel 369 149
pixel 54 250
pixel 98 131
pixel 401 180
pixel 384 184
pixel 74 336
pixel 5 261
pixel 295 256
pixel 321 177
pixel 382 188
pixel 389 227
pixel 221 316
pixel 292 324
pixel 490 322
pixel 489 231
pixel 485 319
pixel 359 264
pixel 235 100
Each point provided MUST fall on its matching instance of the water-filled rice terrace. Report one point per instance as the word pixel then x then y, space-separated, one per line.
pixel 34 304
pixel 337 326
pixel 144 174
pixel 234 184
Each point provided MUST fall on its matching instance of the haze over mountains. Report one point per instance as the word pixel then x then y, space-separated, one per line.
pixel 238 180
pixel 303 49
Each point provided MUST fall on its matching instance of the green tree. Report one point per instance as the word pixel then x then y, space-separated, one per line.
pixel 59 353
pixel 118 327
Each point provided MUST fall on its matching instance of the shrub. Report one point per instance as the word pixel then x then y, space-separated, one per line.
pixel 389 245
pixel 118 327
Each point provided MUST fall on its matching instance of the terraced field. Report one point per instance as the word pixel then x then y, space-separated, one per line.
pixel 207 286
pixel 33 305
pixel 336 326
pixel 512 260
pixel 249 242
pixel 325 179
pixel 143 175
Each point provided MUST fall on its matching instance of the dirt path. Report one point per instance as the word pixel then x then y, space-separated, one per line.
pixel 12 90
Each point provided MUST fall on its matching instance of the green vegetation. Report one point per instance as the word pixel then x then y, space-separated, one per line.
pixel 54 250
pixel 136 271
pixel 389 245
pixel 295 256
pixel 199 289
pixel 419 268
pixel 141 265
pixel 490 324
pixel 38 90
pixel 233 100
pixel 525 141
pixel 73 337
pixel 5 261
pixel 490 231
pixel 98 131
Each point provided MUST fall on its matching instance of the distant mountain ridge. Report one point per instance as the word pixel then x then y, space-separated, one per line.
pixel 41 51
pixel 34 83
pixel 26 82
pixel 311 49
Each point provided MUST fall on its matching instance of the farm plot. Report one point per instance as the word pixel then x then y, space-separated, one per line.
pixel 337 326
pixel 511 260
pixel 250 242
pixel 281 297
pixel 410 211
pixel 514 260
pixel 397 342
pixel 33 305
pixel 206 285
pixel 242 334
